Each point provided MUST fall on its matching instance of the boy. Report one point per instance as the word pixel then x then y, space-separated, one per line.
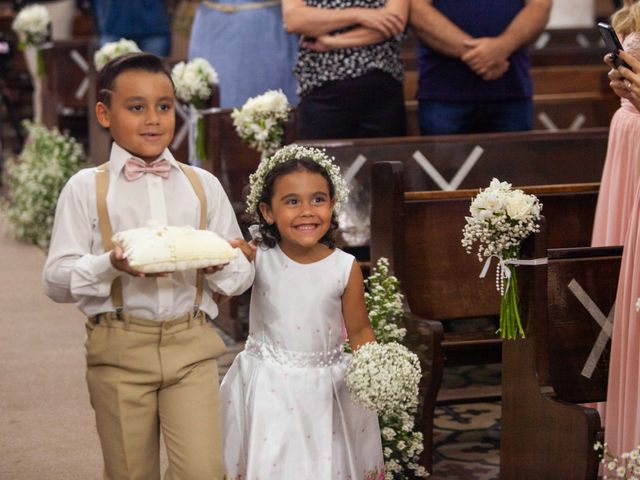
pixel 151 355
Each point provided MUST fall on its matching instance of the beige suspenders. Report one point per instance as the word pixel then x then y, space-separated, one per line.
pixel 106 232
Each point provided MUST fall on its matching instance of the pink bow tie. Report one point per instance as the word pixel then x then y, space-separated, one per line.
pixel 134 168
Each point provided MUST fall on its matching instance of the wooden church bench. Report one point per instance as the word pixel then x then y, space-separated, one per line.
pixel 420 234
pixel 546 431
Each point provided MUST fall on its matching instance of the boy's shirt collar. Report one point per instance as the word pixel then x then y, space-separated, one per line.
pixel 119 156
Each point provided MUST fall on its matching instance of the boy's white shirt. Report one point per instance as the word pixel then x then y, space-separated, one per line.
pixel 78 270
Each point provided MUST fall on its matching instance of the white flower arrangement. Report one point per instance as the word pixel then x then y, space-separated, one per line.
pixel 260 121
pixel 194 80
pixel 626 466
pixel 32 25
pixel 112 50
pixel 291 152
pixel 384 376
pixel 402 446
pixel 501 218
pixel 35 180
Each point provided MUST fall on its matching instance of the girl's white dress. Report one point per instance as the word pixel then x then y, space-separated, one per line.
pixel 286 411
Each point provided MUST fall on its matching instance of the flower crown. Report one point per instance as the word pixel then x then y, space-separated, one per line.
pixel 293 152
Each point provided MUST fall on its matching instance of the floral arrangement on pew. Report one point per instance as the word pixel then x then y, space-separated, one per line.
pixel 260 121
pixel 35 180
pixel 112 50
pixel 33 26
pixel 194 81
pixel 626 466
pixel 384 377
pixel 501 218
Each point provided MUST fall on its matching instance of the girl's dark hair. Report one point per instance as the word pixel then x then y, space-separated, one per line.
pixel 146 62
pixel 270 235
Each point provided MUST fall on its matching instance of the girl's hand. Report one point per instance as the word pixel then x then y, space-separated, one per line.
pixel 248 248
pixel 616 80
pixel 383 20
pixel 631 80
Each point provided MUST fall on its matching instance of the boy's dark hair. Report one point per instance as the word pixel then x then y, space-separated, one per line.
pixel 147 62
pixel 269 233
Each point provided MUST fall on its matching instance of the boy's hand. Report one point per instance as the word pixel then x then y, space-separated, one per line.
pixel 119 262
pixel 248 248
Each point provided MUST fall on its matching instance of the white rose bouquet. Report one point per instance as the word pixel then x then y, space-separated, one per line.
pixel 35 180
pixel 194 81
pixel 401 444
pixel 32 24
pixel 626 466
pixel 501 218
pixel 112 50
pixel 260 121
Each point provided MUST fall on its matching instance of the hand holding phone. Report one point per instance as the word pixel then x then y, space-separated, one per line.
pixel 613 43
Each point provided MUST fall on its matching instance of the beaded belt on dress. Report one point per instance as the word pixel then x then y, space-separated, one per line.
pixel 267 351
pixel 233 7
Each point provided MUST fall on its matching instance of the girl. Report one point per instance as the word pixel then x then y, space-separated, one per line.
pixel 286 410
pixel 622 166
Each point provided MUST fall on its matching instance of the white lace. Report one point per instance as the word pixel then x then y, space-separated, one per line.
pixel 317 359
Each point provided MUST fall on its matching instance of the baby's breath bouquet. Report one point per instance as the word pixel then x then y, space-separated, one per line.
pixel 112 50
pixel 33 24
pixel 501 218
pixel 35 180
pixel 626 466
pixel 194 81
pixel 389 363
pixel 260 121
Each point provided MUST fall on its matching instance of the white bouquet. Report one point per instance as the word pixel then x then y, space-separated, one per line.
pixel 626 466
pixel 501 218
pixel 194 81
pixel 35 180
pixel 32 24
pixel 112 50
pixel 384 304
pixel 260 121
pixel 384 377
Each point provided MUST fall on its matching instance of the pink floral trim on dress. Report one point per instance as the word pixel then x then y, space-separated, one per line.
pixel 375 474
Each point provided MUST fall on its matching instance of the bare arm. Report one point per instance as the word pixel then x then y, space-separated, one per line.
pixel 313 21
pixel 436 30
pixel 354 310
pixel 485 52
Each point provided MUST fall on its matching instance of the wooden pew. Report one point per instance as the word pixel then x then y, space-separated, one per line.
pixel 420 234
pixel 546 433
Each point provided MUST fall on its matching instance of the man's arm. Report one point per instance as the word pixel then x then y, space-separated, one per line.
pixel 436 30
pixel 485 52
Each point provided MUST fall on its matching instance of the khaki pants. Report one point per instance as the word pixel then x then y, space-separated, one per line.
pixel 144 376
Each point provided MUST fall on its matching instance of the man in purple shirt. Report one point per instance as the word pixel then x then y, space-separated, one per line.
pixel 474 66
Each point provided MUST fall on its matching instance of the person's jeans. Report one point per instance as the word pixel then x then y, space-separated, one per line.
pixel 157 44
pixel 442 118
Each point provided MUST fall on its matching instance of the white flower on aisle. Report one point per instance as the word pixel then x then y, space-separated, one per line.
pixel 35 180
pixel 501 218
pixel 401 444
pixel 33 26
pixel 194 81
pixel 260 121
pixel 625 466
pixel 112 50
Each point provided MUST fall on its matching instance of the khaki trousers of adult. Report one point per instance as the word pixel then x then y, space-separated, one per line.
pixel 147 376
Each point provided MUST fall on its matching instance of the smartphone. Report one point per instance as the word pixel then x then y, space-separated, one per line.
pixel 612 42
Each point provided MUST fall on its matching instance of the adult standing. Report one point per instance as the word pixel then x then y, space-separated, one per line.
pixel 474 67
pixel 146 22
pixel 349 66
pixel 245 41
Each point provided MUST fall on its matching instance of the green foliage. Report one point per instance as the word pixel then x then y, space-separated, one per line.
pixel 35 180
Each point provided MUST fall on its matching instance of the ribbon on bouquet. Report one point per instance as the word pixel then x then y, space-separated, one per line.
pixel 190 116
pixel 504 271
